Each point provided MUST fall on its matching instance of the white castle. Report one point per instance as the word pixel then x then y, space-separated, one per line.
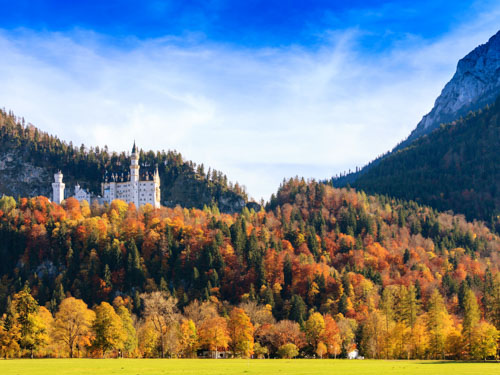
pixel 129 188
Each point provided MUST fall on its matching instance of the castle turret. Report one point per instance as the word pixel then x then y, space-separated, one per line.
pixel 58 188
pixel 157 193
pixel 134 176
pixel 134 165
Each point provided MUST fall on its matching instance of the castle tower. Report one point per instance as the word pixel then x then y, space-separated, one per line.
pixel 157 193
pixel 134 165
pixel 58 188
pixel 134 176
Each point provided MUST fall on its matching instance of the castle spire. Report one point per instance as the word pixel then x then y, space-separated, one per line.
pixel 134 165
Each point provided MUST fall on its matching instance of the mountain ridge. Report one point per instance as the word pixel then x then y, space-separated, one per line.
pixel 475 83
pixel 474 86
pixel 444 169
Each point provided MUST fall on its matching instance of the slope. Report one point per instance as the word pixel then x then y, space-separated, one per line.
pixel 456 167
pixel 29 157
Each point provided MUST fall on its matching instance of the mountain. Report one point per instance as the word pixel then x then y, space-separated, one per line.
pixel 455 167
pixel 475 83
pixel 29 158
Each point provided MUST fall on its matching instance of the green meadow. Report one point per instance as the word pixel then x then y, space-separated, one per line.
pixel 240 366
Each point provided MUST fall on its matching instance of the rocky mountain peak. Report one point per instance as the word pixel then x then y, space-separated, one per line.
pixel 475 83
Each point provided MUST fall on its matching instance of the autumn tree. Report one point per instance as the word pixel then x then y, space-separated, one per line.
pixel 288 350
pixel 286 331
pixel 9 335
pixel 372 340
pixel 130 342
pixel 331 336
pixel 73 324
pixel 438 324
pixel 408 309
pixel 148 339
pixel 108 330
pixel 321 349
pixel 47 320
pixel 387 309
pixel 314 329
pixel 472 316
pixel 199 311
pixel 188 338
pixel 161 310
pixel 214 334
pixel 241 333
pixel 485 341
pixel 347 328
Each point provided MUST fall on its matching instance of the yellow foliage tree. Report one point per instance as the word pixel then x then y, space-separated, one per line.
pixel 214 334
pixel 72 324
pixel 241 333
pixel 314 327
pixel 109 333
pixel 188 338
pixel 484 341
pixel 321 349
pixel 148 338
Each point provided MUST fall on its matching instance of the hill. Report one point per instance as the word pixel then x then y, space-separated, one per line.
pixel 30 157
pixel 313 249
pixel 456 167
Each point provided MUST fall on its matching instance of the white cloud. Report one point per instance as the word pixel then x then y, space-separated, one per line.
pixel 258 115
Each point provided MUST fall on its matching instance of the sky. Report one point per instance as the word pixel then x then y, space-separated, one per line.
pixel 260 90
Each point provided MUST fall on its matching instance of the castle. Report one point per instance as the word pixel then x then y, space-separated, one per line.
pixel 129 188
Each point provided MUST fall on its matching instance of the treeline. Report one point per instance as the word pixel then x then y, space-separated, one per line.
pixel 182 182
pixel 454 168
pixel 318 272
pixel 398 329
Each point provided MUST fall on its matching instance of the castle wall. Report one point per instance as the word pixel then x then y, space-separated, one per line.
pixel 145 192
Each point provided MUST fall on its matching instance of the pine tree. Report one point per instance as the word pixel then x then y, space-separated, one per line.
pixel 287 272
pixel 31 328
pixel 298 309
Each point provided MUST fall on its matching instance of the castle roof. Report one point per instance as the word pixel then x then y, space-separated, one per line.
pixel 147 173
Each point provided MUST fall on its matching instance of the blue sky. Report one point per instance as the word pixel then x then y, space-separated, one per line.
pixel 261 90
pixel 254 23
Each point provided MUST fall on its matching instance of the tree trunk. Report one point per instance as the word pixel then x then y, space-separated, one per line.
pixel 162 347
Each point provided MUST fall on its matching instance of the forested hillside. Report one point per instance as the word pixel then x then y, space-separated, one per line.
pixel 456 167
pixel 319 272
pixel 30 157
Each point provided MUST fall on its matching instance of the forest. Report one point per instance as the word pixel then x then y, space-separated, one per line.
pixel 456 167
pixel 26 151
pixel 318 272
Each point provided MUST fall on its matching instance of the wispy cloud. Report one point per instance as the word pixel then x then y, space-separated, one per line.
pixel 259 115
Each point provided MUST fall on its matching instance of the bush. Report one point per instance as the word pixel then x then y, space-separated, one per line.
pixel 288 351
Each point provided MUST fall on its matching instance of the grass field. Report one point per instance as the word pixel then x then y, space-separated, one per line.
pixel 239 366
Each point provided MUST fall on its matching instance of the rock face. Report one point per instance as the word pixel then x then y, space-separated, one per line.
pixel 20 178
pixel 475 84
